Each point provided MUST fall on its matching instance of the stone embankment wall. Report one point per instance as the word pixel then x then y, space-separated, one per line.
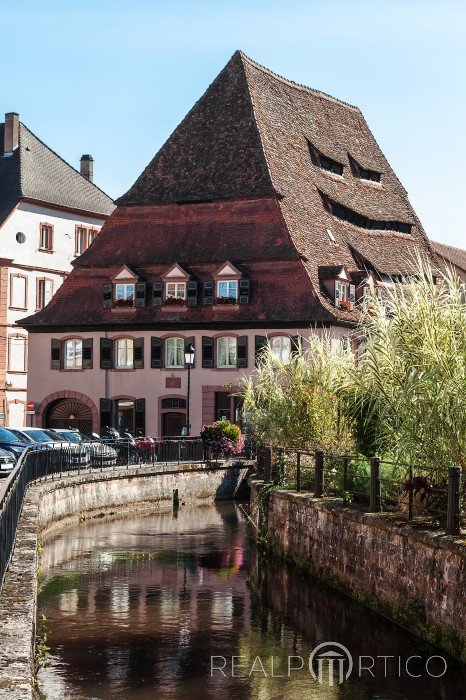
pixel 66 499
pixel 417 578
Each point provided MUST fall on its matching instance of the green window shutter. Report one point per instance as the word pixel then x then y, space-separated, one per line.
pixel 208 288
pixel 107 300
pixel 138 350
pixel 141 289
pixel 295 345
pixel 156 352
pixel 55 353
pixel 105 415
pixel 140 416
pixel 242 351
pixel 207 351
pixel 157 293
pixel 352 296
pixel 106 346
pixel 259 345
pixel 88 345
pixel 244 292
pixel 191 288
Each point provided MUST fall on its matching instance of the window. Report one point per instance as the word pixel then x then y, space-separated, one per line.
pixel 16 353
pixel 324 162
pixel 18 292
pixel 124 353
pixel 363 173
pixel 174 352
pixel 222 405
pixel 73 356
pixel 227 289
pixel 46 237
pixel 91 234
pixel 176 290
pixel 281 348
pixel 124 294
pixel 353 217
pixel 226 352
pixel 81 240
pixel 44 292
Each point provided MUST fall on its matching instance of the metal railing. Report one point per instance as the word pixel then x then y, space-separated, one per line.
pixel 41 462
pixel 412 491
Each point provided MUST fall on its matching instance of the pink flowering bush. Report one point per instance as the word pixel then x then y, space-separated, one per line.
pixel 222 439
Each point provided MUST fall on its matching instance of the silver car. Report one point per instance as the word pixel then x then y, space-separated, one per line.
pixel 7 462
pixel 77 455
pixel 101 455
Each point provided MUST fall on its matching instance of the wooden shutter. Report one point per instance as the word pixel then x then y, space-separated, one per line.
pixel 244 291
pixel 207 351
pixel 107 290
pixel 106 346
pixel 105 415
pixel 190 341
pixel 88 344
pixel 352 296
pixel 259 345
pixel 242 351
pixel 157 293
pixel 156 352
pixel 140 294
pixel 192 293
pixel 295 345
pixel 140 416
pixel 208 288
pixel 138 353
pixel 337 294
pixel 55 353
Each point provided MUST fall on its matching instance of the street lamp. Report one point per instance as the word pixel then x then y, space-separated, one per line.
pixel 189 353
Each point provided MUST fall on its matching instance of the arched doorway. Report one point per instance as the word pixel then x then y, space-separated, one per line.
pixel 69 413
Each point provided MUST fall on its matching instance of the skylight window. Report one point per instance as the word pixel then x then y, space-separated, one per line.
pixel 363 173
pixel 325 162
pixel 353 217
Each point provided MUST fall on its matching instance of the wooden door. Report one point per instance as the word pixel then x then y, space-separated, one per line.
pixel 173 423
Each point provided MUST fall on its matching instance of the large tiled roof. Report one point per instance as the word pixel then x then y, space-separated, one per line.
pixel 455 256
pixel 249 139
pixel 37 173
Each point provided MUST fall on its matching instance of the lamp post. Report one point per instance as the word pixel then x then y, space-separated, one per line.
pixel 189 353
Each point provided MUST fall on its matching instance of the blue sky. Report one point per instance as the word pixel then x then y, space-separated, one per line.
pixel 115 78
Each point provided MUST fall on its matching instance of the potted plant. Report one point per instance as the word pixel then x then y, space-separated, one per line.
pixel 174 301
pixel 345 305
pixel 225 300
pixel 124 302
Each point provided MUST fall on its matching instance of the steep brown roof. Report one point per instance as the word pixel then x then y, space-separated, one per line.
pixel 248 138
pixel 36 172
pixel 455 256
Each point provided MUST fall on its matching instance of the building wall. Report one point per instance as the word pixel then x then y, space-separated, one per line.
pixel 26 260
pixel 47 385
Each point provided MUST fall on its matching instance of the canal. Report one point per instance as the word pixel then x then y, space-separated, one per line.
pixel 183 607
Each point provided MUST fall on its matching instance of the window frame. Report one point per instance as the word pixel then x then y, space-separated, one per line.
pixel 177 341
pixel 179 286
pixel 45 225
pixel 219 343
pixel 228 282
pixel 116 344
pixel 43 280
pixel 74 367
pixel 14 275
pixel 280 355
pixel 11 338
pixel 125 285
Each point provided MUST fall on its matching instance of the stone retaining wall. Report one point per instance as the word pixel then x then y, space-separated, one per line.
pixel 73 498
pixel 417 578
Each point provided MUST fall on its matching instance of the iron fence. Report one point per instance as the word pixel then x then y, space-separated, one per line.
pixel 411 491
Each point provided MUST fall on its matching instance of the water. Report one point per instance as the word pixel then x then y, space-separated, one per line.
pixel 138 607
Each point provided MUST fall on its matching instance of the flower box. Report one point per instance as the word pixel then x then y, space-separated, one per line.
pixel 174 301
pixel 345 305
pixel 226 300
pixel 124 302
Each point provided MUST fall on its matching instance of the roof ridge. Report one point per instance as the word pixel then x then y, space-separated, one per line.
pixel 62 160
pixel 447 245
pixel 292 83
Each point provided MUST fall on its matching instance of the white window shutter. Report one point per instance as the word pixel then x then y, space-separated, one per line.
pixel 352 296
pixel 337 294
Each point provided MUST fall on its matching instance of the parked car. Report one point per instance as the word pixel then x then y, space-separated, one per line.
pixel 101 455
pixel 78 455
pixel 7 462
pixel 14 442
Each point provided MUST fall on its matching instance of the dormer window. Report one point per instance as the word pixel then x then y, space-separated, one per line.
pixel 125 290
pixel 325 162
pixel 363 173
pixel 124 294
pixel 175 290
pixel 227 289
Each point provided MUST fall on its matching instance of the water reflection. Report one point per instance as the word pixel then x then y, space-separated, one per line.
pixel 137 608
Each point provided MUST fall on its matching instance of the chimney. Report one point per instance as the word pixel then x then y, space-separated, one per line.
pixel 11 132
pixel 87 167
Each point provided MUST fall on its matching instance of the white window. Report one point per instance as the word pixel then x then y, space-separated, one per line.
pixel 124 293
pixel 81 240
pixel 46 237
pixel 281 348
pixel 226 352
pixel 17 353
pixel 341 293
pixel 174 352
pixel 176 290
pixel 91 234
pixel 18 289
pixel 73 356
pixel 227 288
pixel 124 353
pixel 44 292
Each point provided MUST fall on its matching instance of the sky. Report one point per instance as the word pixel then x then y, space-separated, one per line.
pixel 114 78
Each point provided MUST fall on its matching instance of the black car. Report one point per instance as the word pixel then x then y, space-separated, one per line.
pixel 14 442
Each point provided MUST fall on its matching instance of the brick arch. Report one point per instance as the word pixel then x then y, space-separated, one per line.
pixel 67 394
